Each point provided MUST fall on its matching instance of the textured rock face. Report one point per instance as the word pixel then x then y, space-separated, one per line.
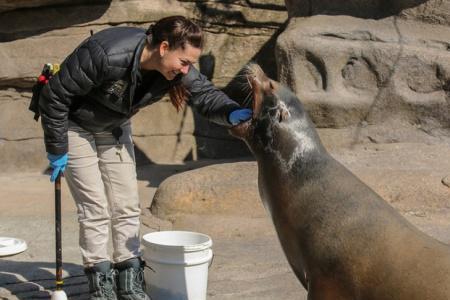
pixel 369 62
pixel 430 11
pixel 348 70
pixel 388 63
pixel 35 32
pixel 353 63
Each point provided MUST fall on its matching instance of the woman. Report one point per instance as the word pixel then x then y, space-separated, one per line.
pixel 85 110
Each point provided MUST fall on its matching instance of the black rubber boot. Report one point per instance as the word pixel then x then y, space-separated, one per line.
pixel 130 280
pixel 101 278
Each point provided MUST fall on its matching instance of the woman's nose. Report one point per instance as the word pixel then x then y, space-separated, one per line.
pixel 184 69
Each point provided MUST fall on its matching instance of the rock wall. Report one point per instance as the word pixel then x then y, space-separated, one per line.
pixel 365 63
pixel 35 32
pixel 366 66
pixel 429 11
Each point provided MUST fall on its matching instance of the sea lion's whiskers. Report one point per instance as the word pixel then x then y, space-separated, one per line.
pixel 247 100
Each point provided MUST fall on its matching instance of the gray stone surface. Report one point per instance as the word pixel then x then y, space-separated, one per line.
pixel 248 261
pixel 429 11
pixel 348 70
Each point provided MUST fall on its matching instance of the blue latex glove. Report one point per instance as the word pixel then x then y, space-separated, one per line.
pixel 58 163
pixel 240 115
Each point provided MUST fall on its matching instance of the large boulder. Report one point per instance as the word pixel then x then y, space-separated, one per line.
pixel 349 71
pixel 219 189
pixel 409 176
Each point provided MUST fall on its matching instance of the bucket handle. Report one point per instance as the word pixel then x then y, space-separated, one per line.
pixel 211 261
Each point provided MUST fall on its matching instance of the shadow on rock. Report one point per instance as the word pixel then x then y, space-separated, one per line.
pixel 26 22
pixel 373 9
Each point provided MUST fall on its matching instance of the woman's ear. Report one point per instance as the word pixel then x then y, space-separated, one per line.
pixel 163 48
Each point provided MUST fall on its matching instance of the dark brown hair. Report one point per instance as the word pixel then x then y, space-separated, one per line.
pixel 177 31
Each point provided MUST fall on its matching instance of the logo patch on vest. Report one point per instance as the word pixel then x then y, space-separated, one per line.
pixel 118 88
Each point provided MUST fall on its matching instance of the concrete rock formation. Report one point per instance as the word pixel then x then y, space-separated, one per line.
pixel 33 33
pixel 429 11
pixel 348 70
pixel 370 63
pixel 356 65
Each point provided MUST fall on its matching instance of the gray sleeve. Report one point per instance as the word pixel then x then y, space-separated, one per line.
pixel 208 100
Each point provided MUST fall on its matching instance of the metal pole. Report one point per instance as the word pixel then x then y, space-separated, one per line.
pixel 59 281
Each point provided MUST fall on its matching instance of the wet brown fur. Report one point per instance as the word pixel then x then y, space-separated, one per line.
pixel 342 240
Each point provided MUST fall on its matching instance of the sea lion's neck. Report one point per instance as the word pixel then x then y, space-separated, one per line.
pixel 289 143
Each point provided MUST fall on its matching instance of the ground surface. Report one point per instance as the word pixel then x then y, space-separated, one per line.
pixel 248 263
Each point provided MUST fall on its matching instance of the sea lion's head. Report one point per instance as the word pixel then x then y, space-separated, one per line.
pixel 279 123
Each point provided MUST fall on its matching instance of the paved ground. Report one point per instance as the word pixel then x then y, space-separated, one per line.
pixel 247 264
pixel 243 267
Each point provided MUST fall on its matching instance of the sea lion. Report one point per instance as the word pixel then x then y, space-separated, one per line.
pixel 342 240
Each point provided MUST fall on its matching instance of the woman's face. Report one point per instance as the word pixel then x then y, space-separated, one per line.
pixel 174 62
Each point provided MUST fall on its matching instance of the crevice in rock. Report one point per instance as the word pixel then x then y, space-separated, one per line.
pixel 243 3
pixel 23 84
pixel 4 139
pixel 360 35
pixel 319 65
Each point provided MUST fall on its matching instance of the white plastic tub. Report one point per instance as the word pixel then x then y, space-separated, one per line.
pixel 177 264
pixel 11 246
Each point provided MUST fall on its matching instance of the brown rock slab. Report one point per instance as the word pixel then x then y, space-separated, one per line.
pixel 225 189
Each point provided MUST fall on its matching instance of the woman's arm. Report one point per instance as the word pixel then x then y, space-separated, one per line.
pixel 208 100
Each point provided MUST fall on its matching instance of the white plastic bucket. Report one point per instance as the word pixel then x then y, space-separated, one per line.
pixel 177 264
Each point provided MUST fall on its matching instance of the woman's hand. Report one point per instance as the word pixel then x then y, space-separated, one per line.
pixel 58 163
pixel 240 115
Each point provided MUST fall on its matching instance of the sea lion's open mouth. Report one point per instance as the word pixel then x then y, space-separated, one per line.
pixel 258 82
pixel 263 93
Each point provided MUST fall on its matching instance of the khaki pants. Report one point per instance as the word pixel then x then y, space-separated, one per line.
pixel 101 174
